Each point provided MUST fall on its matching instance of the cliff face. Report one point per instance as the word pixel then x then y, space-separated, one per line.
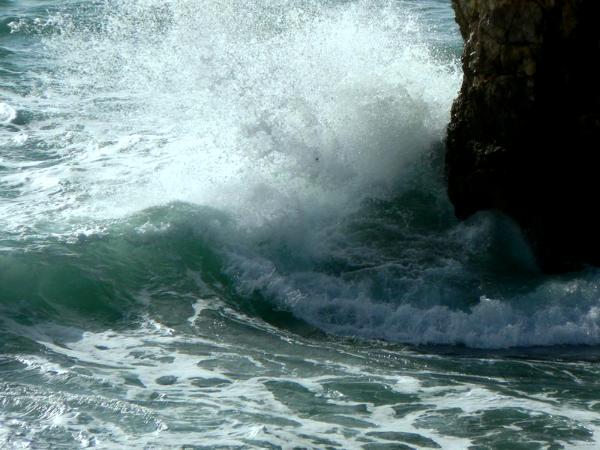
pixel 525 131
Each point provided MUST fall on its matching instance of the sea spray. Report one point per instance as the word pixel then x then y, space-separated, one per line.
pixel 258 110
pixel 221 222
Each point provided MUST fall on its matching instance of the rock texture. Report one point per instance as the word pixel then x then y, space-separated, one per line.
pixel 525 131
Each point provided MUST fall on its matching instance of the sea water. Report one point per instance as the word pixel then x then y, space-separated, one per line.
pixel 223 224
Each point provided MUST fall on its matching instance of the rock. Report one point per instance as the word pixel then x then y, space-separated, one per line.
pixel 524 137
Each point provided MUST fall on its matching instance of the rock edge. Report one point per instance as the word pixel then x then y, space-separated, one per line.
pixel 524 136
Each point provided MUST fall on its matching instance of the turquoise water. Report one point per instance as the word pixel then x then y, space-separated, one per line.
pixel 223 224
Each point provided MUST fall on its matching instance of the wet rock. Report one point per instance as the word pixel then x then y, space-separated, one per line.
pixel 524 137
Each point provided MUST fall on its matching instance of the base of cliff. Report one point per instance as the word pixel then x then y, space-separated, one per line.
pixel 524 137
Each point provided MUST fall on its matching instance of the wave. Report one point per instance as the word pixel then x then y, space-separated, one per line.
pixel 285 158
pixel 257 110
pixel 452 286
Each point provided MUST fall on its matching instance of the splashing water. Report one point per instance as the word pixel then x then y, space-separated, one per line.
pixel 210 213
pixel 257 110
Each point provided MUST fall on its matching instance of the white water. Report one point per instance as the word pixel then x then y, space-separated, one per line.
pixel 258 110
pixel 312 132
pixel 286 116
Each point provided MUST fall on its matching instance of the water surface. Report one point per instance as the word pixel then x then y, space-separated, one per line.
pixel 223 224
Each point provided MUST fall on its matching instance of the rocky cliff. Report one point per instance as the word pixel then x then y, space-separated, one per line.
pixel 525 131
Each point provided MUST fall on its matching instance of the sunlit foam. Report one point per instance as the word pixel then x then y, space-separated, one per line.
pixel 259 110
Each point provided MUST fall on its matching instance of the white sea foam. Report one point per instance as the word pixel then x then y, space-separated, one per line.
pixel 176 389
pixel 7 113
pixel 284 116
pixel 402 299
pixel 489 323
pixel 259 110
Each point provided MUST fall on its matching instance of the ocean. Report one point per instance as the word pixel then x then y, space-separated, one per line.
pixel 224 225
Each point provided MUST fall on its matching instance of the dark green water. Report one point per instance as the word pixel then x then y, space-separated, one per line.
pixel 223 224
